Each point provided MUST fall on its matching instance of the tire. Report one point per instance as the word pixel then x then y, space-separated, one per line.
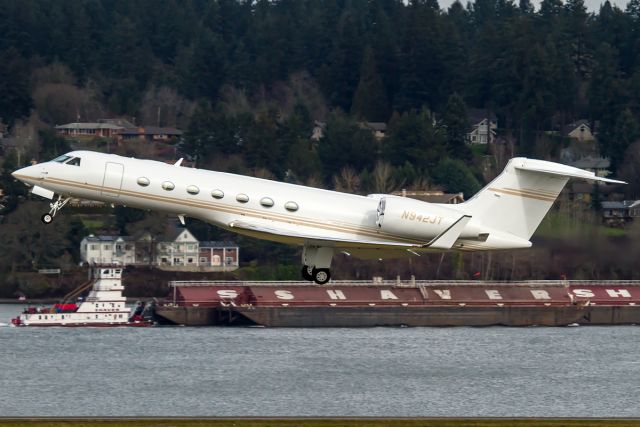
pixel 47 219
pixel 321 275
pixel 307 273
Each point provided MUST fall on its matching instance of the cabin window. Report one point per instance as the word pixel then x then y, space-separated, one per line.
pixel 242 198
pixel 291 206
pixel 168 185
pixel 74 161
pixel 192 189
pixel 143 181
pixel 217 194
pixel 267 202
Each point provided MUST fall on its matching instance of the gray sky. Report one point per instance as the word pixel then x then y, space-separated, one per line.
pixel 592 5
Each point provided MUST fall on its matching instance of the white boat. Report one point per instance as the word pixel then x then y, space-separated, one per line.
pixel 104 305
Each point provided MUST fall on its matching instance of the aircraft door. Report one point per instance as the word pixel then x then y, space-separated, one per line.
pixel 380 212
pixel 112 182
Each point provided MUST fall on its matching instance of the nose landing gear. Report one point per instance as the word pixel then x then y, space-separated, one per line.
pixel 55 207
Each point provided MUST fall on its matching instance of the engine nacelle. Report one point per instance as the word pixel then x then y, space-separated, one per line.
pixel 412 218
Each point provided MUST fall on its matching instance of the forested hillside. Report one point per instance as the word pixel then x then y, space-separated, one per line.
pixel 249 80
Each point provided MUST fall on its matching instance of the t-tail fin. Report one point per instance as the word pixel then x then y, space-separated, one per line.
pixel 517 200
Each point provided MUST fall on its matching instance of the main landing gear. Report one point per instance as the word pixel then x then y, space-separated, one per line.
pixel 316 261
pixel 55 207
pixel 318 275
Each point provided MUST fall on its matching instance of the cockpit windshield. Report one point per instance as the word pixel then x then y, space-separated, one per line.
pixel 67 159
pixel 61 159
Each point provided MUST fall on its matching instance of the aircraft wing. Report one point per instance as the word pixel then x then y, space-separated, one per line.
pixel 444 240
pixel 320 240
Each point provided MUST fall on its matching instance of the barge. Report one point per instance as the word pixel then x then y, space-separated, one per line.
pixel 104 306
pixel 396 303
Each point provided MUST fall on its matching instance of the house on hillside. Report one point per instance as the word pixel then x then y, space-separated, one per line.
pixel 619 213
pixel 223 255
pixel 483 127
pixel 432 196
pixel 317 133
pixel 88 130
pixel 598 165
pixel 149 134
pixel 178 250
pixel 580 130
pixel 378 129
pixel 108 250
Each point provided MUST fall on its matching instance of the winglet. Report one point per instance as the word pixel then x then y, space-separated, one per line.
pixel 179 162
pixel 448 237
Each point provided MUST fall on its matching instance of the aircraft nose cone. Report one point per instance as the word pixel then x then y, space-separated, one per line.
pixel 28 174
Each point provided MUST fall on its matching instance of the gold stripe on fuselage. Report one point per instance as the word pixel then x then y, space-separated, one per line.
pixel 243 211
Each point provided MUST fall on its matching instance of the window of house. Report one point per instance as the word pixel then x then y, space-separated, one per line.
pixel 190 260
pixel 107 247
pixel 203 260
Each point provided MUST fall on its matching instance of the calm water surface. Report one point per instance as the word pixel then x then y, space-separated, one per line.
pixel 178 371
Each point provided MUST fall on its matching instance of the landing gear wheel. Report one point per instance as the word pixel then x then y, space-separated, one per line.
pixel 307 273
pixel 46 218
pixel 321 275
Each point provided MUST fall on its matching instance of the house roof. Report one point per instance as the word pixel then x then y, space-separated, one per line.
pixel 566 130
pixel 625 204
pixel 218 244
pixel 107 239
pixel 590 162
pixel 376 126
pixel 151 130
pixel 89 125
pixel 476 115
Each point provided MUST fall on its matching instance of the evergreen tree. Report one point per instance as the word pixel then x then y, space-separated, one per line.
pixel 456 126
pixel 370 100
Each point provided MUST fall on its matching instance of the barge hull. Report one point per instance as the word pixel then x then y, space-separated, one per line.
pixel 352 317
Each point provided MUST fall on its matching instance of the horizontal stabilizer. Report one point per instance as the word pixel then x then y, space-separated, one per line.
pixel 560 170
pixel 448 237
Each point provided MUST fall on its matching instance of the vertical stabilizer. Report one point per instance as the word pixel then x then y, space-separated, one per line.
pixel 517 200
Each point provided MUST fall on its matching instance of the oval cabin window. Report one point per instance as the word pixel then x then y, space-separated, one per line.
pixel 242 198
pixel 267 202
pixel 217 194
pixel 143 181
pixel 291 206
pixel 192 189
pixel 167 185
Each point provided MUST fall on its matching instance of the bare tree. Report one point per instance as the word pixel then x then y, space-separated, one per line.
pixel 348 181
pixel 383 178
pixel 163 106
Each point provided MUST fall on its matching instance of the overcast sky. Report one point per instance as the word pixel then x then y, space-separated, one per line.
pixel 592 5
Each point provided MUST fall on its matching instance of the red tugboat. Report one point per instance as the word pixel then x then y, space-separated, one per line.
pixel 396 303
pixel 104 305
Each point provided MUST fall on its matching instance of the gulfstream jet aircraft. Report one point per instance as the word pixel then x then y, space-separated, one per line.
pixel 503 215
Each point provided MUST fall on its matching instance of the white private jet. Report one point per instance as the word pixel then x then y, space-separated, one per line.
pixel 503 215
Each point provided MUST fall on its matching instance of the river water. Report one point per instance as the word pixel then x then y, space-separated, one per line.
pixel 214 371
